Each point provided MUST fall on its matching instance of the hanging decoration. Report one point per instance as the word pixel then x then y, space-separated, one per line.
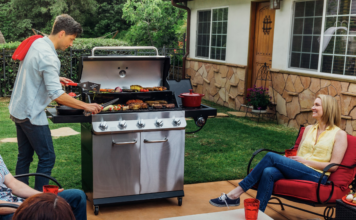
pixel 267 24
pixel 275 4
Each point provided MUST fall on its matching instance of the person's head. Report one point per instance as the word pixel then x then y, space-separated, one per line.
pixel 65 29
pixel 44 206
pixel 327 110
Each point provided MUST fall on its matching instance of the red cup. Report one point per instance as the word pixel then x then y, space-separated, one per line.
pixel 251 208
pixel 50 189
pixel 290 153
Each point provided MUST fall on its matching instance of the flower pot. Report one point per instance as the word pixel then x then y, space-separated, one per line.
pixel 191 99
pixel 259 107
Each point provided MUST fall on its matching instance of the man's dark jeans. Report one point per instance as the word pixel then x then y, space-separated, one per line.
pixel 32 138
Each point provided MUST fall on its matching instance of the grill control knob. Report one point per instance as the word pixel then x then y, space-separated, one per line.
pixel 159 122
pixel 122 124
pixel 103 125
pixel 176 121
pixel 141 123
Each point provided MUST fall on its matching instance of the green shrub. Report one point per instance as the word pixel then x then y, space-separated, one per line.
pixel 79 43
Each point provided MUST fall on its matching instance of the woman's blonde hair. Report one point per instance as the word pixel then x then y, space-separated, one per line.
pixel 331 110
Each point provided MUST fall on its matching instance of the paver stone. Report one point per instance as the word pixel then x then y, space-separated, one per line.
pixel 281 105
pixel 298 85
pixel 349 128
pixel 289 85
pixel 278 82
pixel 344 86
pixel 332 90
pixel 223 71
pixel 306 99
pixel 314 85
pixel 352 88
pixel 337 86
pixel 325 83
pixel 286 96
pixel 293 108
pixel 305 81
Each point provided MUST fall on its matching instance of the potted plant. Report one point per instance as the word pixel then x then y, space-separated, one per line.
pixel 258 98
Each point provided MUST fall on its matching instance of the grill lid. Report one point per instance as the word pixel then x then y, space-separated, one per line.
pixel 123 71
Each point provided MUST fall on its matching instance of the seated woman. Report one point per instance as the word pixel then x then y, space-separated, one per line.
pixel 44 206
pixel 322 144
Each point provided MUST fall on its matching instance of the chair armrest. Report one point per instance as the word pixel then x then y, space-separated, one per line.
pixel 329 182
pixel 40 174
pixel 257 152
pixel 8 205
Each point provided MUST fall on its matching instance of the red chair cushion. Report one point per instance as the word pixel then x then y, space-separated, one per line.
pixel 299 139
pixel 343 176
pixel 306 190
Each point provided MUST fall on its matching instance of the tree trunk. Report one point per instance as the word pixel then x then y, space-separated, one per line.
pixel 2 39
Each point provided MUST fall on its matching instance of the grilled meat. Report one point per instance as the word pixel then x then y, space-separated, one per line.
pixel 134 101
pixel 157 106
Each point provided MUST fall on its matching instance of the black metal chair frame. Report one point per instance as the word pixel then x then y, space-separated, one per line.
pixel 9 205
pixel 329 207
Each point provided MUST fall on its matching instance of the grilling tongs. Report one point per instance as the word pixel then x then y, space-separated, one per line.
pixel 103 105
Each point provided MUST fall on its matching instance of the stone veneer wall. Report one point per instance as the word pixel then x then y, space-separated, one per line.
pixel 222 84
pixel 295 95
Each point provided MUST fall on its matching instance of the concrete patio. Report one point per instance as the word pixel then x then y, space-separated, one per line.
pixel 196 201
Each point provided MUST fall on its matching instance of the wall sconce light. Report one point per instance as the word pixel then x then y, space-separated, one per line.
pixel 275 4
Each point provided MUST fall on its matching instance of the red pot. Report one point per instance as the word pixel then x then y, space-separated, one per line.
pixel 191 99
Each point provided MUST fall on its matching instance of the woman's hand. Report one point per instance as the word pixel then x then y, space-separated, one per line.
pixel 64 80
pixel 60 190
pixel 298 159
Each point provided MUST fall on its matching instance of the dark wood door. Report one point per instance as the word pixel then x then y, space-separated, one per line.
pixel 263 45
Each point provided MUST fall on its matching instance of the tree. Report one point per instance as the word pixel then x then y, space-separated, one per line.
pixel 154 22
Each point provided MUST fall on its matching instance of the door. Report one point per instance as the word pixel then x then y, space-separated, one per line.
pixel 162 161
pixel 263 42
pixel 116 165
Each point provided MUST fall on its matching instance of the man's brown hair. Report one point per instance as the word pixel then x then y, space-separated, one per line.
pixel 44 206
pixel 67 24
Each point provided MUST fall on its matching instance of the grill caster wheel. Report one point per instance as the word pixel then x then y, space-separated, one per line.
pixel 96 210
pixel 180 200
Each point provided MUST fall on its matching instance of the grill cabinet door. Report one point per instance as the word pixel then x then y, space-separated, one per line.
pixel 116 167
pixel 162 162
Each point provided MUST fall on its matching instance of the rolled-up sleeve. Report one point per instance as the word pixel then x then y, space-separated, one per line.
pixel 49 66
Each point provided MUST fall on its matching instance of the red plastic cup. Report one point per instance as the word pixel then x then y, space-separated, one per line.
pixel 251 209
pixel 290 153
pixel 50 189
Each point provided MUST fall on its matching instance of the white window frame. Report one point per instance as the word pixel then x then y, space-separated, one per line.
pixel 211 31
pixel 318 71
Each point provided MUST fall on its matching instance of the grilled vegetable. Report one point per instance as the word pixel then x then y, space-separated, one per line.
pixel 118 89
pixel 108 108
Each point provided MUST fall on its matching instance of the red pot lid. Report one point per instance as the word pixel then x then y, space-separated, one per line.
pixel 190 94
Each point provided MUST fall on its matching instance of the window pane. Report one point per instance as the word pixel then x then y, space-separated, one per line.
pixel 316 44
pixel 305 61
pixel 317 26
pixel 342 25
pixel 330 24
pixel 203 40
pixel 223 40
pixel 299 9
pixel 314 61
pixel 220 11
pixel 331 7
pixel 298 26
pixel 225 14
pixel 350 66
pixel 328 44
pixel 338 65
pixel 353 7
pixel 344 7
pixel 295 60
pixel 319 4
pixel 218 45
pixel 308 26
pixel 351 48
pixel 223 54
pixel 326 64
pixel 307 43
pixel 297 44
pixel 352 30
pixel 340 45
pixel 215 27
pixel 212 53
pixel 309 8
pixel 215 15
pixel 213 40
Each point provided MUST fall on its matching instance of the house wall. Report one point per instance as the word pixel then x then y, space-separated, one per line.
pixel 294 90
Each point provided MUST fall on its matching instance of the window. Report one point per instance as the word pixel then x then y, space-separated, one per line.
pixel 337 36
pixel 212 34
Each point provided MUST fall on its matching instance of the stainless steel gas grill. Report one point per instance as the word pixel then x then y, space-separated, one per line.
pixel 138 154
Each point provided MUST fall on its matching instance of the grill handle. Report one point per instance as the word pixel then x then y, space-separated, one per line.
pixel 155 141
pixel 122 48
pixel 124 143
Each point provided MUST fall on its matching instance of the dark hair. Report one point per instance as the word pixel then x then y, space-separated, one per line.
pixel 68 24
pixel 44 206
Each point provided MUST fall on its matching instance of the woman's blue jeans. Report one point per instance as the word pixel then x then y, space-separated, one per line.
pixel 32 138
pixel 274 167
pixel 76 199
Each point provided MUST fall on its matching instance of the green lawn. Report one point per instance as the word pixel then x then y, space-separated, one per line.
pixel 220 151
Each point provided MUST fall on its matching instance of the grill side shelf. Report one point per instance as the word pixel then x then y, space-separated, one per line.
pixel 55 118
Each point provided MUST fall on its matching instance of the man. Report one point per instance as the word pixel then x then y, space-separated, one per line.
pixel 37 84
pixel 8 185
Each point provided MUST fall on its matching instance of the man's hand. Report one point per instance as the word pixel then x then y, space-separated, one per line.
pixel 65 80
pixel 298 159
pixel 93 108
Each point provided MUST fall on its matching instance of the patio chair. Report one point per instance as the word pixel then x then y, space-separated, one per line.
pixel 9 205
pixel 316 194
